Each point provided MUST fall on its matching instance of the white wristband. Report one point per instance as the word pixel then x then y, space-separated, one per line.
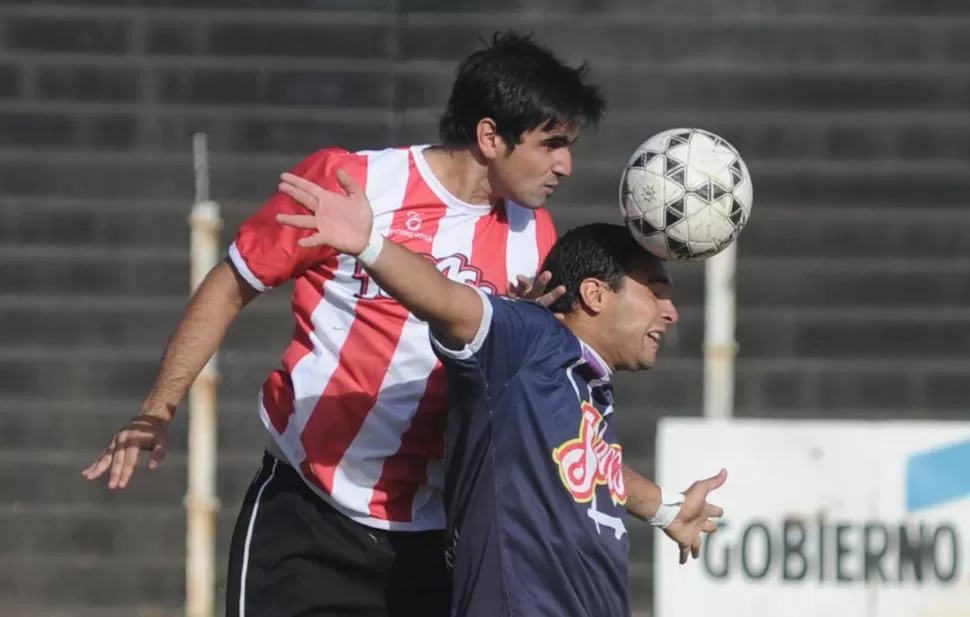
pixel 373 249
pixel 670 504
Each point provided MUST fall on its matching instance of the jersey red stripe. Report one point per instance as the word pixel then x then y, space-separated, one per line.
pixel 278 389
pixel 490 247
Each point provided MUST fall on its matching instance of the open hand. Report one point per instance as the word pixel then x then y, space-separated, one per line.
pixel 536 289
pixel 342 222
pixel 145 432
pixel 695 516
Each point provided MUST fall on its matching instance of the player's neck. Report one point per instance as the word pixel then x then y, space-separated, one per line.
pixel 462 174
pixel 579 325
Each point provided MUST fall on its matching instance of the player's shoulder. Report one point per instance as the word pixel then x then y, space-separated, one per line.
pixel 529 312
pixel 328 160
pixel 547 341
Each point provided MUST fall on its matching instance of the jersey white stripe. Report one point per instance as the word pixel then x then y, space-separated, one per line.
pixel 522 249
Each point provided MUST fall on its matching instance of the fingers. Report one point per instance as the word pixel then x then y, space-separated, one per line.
pixel 684 551
pixel 718 480
pixel 714 482
pixel 303 221
pixel 695 548
pixel 101 465
pixel 712 511
pixel 300 194
pixel 709 527
pixel 120 467
pixel 121 455
pixel 127 468
pixel 157 455
pixel 301 184
pixel 548 298
pixel 349 184
pixel 535 289
pixel 317 239
pixel 519 289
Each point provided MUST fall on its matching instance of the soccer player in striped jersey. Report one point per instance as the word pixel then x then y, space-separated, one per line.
pixel 345 515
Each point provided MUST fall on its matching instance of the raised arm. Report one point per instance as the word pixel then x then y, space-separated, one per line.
pixel 345 222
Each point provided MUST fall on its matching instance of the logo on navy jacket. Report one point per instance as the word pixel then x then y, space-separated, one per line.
pixel 587 462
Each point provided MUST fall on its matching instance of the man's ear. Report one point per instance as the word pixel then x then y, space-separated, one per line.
pixel 490 143
pixel 594 295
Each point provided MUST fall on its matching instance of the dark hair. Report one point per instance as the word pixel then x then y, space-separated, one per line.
pixel 602 251
pixel 520 85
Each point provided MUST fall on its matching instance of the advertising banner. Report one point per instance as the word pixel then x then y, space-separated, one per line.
pixel 833 519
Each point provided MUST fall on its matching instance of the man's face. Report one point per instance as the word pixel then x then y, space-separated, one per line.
pixel 639 315
pixel 529 173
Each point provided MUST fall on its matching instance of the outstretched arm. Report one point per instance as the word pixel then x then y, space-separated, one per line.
pixel 346 223
pixel 642 495
pixel 217 302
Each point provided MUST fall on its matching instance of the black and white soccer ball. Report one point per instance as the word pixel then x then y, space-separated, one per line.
pixel 686 194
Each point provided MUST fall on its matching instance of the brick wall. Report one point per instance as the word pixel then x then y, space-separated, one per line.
pixel 853 273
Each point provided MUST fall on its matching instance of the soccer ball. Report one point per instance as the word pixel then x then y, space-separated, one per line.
pixel 685 194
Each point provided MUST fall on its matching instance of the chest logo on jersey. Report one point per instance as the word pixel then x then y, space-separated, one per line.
pixel 456 267
pixel 589 461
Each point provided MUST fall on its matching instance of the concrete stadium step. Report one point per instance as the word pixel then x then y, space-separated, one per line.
pixel 633 86
pixel 28 478
pixel 613 39
pixel 858 183
pixel 39 609
pixel 450 10
pixel 71 582
pixel 366 34
pixel 919 231
pixel 693 8
pixel 123 325
pixel 118 372
pixel 64 222
pixel 849 137
pixel 125 532
pixel 85 424
pixel 835 231
pixel 764 87
pixel 121 127
pixel 794 387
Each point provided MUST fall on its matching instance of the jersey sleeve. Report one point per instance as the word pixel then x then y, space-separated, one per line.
pixel 511 333
pixel 265 252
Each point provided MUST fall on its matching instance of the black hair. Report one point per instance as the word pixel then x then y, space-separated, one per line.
pixel 520 85
pixel 602 251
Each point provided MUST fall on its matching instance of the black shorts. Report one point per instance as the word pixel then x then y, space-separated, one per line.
pixel 293 555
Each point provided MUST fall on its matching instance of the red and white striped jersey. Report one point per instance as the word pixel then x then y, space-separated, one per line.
pixel 358 405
